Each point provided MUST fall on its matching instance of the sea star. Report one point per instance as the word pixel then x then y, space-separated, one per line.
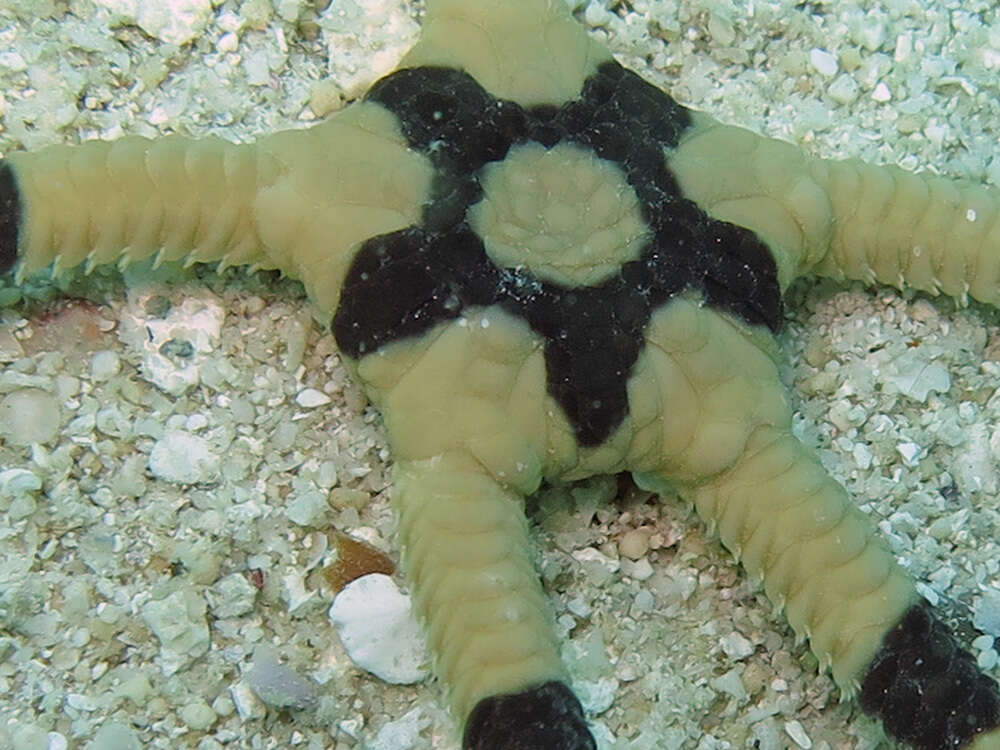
pixel 582 435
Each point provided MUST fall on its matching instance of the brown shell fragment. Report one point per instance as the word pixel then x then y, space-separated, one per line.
pixel 354 559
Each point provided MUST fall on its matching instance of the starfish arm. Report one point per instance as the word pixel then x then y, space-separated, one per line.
pixel 470 564
pixel 333 186
pixel 531 53
pixel 819 557
pixel 728 448
pixel 845 219
pixel 465 410
pixel 794 528
pixel 128 199
pixel 916 230
pixel 764 184
pixel 989 741
pixel 300 201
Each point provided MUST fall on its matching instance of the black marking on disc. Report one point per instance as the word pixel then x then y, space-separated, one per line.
pixel 548 717
pixel 403 283
pixel 10 217
pixel 928 691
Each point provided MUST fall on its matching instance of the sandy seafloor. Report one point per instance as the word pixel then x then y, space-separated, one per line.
pixel 675 650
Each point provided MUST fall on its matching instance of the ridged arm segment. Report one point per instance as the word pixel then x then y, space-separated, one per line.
pixel 916 230
pixel 846 219
pixel 465 409
pixel 730 451
pixel 470 564
pixel 300 201
pixel 124 200
pixel 794 528
pixel 727 447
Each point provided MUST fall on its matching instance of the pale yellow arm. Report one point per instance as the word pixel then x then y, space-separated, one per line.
pixel 919 230
pixel 724 441
pixel 301 201
pixel 469 562
pixel 846 219
pixel 819 557
pixel 531 53
pixel 124 200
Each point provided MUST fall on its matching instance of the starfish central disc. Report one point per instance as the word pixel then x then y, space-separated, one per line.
pixel 563 214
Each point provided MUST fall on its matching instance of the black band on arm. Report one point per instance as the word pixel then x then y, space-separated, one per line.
pixel 927 691
pixel 10 216
pixel 548 717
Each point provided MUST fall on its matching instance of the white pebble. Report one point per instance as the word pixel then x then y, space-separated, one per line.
pixel 910 451
pixel 27 416
pixel 105 364
pixel 881 92
pixel 309 398
pixel 376 625
pixel 823 61
pixel 798 734
pixel 735 646
pixel 183 458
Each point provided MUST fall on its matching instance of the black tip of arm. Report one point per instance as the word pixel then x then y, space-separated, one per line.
pixel 927 691
pixel 10 217
pixel 548 717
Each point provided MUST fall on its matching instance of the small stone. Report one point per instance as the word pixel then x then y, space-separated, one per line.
pixel 310 398
pixel 843 90
pixel 380 634
pixel 986 612
pixel 183 458
pixel 29 415
pixel 597 566
pixel 16 482
pixel 736 647
pixel 731 683
pixel 294 592
pixel 910 452
pixel 824 63
pixel 881 92
pixel 247 704
pixel 279 685
pixel 174 21
pixel 104 365
pixel 634 543
pixel 114 736
pixel 233 596
pixel 307 507
pixel 987 659
pixel 198 715
pixel 917 376
pixel 794 730
pixel 178 621
pixel 639 570
pixel 401 734
pixel 345 497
